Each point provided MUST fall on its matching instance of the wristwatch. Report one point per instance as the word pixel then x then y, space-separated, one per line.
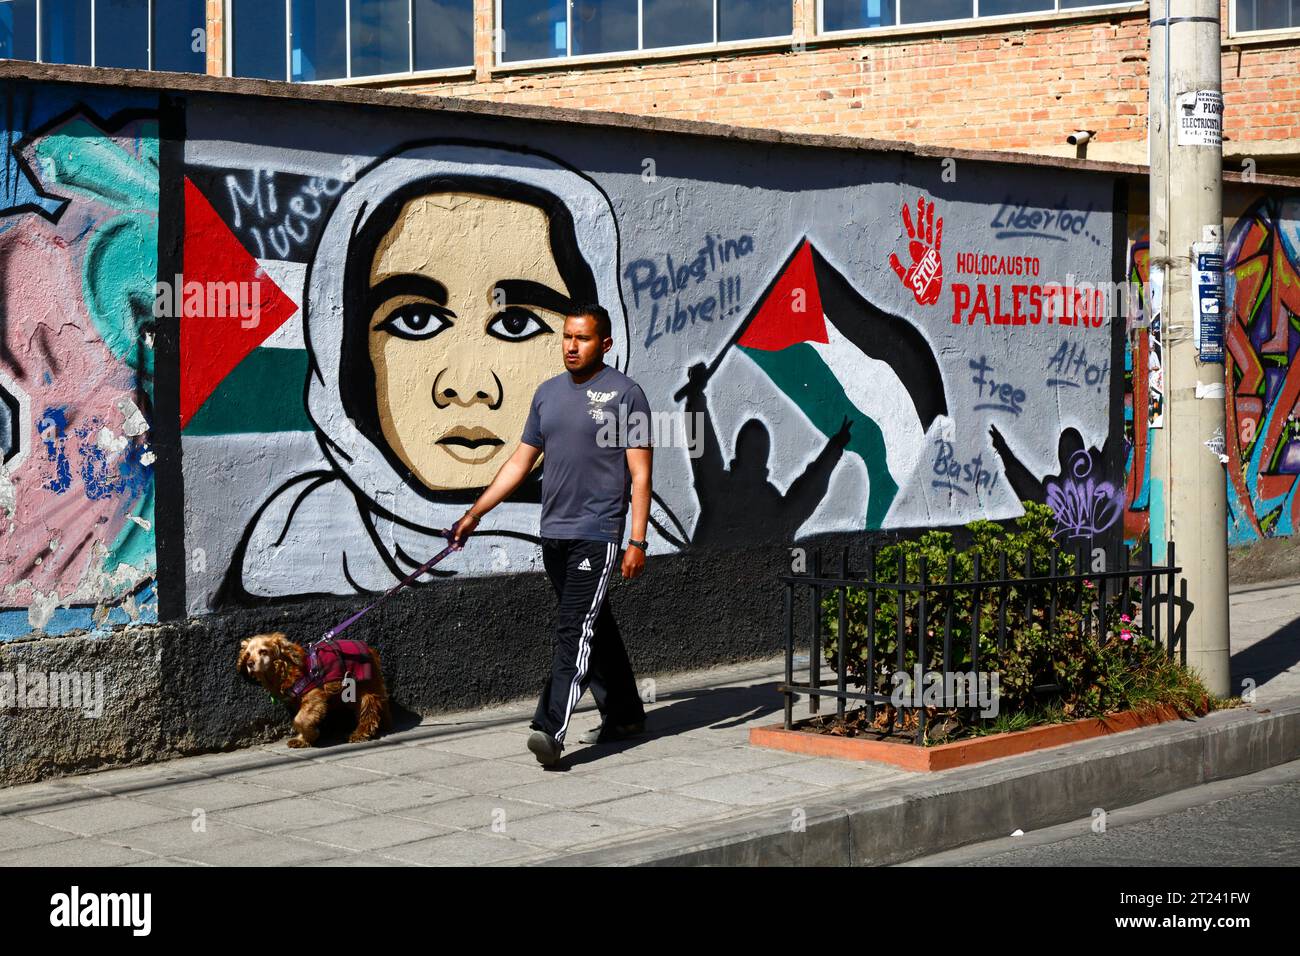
pixel 637 544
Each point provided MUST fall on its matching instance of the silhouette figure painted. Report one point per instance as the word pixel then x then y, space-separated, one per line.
pixel 738 505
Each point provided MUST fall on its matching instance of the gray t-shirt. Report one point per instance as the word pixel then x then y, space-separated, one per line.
pixel 584 431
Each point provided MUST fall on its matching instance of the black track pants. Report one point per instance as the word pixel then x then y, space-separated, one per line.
pixel 587 648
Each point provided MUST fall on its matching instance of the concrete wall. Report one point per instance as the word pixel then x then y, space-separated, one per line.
pixel 207 392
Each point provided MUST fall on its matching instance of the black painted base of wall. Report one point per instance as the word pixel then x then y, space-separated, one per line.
pixel 172 689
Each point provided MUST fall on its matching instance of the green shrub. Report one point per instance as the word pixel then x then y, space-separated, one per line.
pixel 1088 660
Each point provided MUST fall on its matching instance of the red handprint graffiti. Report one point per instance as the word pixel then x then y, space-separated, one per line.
pixel 925 276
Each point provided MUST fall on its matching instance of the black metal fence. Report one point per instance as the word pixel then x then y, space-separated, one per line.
pixel 1146 588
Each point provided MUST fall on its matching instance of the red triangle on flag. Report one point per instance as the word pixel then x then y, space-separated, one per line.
pixel 791 312
pixel 221 322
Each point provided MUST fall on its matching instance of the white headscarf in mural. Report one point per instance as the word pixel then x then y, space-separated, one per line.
pixel 363 522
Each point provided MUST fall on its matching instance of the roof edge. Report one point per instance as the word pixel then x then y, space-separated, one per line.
pixel 162 82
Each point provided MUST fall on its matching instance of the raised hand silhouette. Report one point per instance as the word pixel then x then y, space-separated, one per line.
pixel 925 275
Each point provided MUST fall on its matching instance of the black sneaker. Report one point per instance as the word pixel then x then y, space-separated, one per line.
pixel 545 748
pixel 608 733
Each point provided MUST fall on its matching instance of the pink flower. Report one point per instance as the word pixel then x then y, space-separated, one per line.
pixel 1125 618
pixel 1126 635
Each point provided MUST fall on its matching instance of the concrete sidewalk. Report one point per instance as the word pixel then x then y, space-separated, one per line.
pixel 462 789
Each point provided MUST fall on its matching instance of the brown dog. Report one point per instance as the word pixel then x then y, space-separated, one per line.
pixel 314 683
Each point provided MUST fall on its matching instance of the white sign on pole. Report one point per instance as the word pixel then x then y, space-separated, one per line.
pixel 1200 118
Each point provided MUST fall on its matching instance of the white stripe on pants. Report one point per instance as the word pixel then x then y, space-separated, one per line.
pixel 584 642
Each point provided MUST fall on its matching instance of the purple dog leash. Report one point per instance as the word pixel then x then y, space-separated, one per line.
pixel 338 629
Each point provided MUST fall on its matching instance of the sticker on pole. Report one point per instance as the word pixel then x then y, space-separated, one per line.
pixel 1207 300
pixel 1200 118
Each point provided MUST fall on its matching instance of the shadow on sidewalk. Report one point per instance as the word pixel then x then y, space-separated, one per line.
pixel 721 708
pixel 1266 659
pixel 689 709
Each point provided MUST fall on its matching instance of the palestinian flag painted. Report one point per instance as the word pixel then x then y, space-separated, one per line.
pixel 240 376
pixel 811 334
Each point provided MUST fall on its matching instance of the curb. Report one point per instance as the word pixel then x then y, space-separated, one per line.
pixel 960 753
pixel 921 816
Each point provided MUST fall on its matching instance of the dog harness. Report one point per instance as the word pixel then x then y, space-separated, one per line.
pixel 331 659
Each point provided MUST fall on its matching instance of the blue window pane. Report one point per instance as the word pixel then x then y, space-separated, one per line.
pixel 122 33
pixel 65 31
pixel 380 41
pixel 929 11
pixel 603 26
pixel 857 14
pixel 18 29
pixel 676 22
pixel 750 19
pixel 318 40
pixel 258 39
pixel 180 36
pixel 1002 8
pixel 1267 14
pixel 444 33
pixel 534 29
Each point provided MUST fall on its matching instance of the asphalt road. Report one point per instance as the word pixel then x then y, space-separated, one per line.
pixel 1248 821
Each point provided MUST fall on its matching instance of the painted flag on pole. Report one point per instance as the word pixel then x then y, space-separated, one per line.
pixel 835 355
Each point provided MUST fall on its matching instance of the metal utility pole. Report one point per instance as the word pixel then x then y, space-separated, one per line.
pixel 1188 477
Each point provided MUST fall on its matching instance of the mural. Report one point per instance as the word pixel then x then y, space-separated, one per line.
pixel 1262 286
pixel 78 260
pixel 431 309
pixel 1143 395
pixel 831 341
pixel 866 380
pixel 807 380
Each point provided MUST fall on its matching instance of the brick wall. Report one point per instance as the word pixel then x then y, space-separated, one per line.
pixel 1023 86
pixel 1261 93
pixel 1010 89
pixel 216 38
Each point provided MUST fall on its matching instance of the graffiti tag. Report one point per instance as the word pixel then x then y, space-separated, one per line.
pixel 1084 507
pixel 645 277
pixel 1001 396
pixel 1070 368
pixel 959 476
pixel 284 225
pixel 1015 220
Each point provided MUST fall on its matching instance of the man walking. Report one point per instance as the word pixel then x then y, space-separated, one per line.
pixel 593 424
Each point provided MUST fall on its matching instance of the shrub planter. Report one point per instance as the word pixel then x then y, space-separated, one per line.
pixel 960 753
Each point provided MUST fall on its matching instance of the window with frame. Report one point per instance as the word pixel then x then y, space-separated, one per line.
pixel 550 29
pixel 836 15
pixel 133 34
pixel 1250 16
pixel 307 40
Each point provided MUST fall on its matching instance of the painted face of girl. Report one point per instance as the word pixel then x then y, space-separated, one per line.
pixel 465 304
